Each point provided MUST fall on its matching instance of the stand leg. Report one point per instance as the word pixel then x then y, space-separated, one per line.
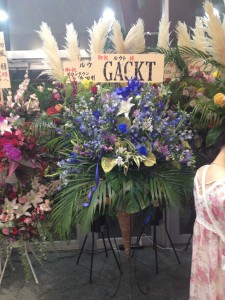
pixel 92 256
pixel 138 239
pixel 82 248
pixel 155 249
pixel 117 262
pixel 103 237
pixel 9 251
pixel 34 254
pixel 172 245
pixel 189 242
pixel 31 267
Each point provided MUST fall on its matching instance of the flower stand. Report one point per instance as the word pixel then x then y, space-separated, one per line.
pixel 18 244
pixel 100 226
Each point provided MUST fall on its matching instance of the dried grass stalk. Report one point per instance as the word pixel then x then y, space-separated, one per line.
pixel 199 40
pixel 183 37
pixel 164 34
pixel 135 40
pixel 216 32
pixel 52 59
pixel 98 35
pixel 72 48
pixel 117 38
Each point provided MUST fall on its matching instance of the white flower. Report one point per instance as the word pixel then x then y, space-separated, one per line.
pixel 22 210
pixel 125 107
pixel 40 88
pixel 42 190
pixel 45 206
pixel 34 198
pixel 12 118
pixel 4 126
pixel 128 156
pixel 147 125
pixel 119 161
pixel 35 183
pixel 120 150
pixel 10 206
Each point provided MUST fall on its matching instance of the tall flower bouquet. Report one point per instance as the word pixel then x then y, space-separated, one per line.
pixel 25 193
pixel 124 148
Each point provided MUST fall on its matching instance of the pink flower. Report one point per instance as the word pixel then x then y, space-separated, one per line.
pixel 5 231
pixel 27 221
pixel 22 200
pixel 136 113
pixel 4 218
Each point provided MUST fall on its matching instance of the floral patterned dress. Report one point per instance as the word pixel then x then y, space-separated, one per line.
pixel 208 256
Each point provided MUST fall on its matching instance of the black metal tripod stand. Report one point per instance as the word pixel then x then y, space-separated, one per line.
pixel 155 245
pixel 102 229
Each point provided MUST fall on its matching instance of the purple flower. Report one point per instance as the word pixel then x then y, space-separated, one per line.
pixel 12 152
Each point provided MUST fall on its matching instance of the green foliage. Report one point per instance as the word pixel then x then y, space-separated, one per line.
pixel 131 193
pixel 213 135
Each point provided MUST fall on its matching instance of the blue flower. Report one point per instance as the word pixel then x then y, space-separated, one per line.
pixel 73 158
pixel 96 113
pixel 122 128
pixel 142 150
pixel 133 87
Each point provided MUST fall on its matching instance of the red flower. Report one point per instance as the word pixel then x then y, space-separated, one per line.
pixel 31 146
pixel 57 121
pixel 12 195
pixel 14 231
pixel 167 80
pixel 52 110
pixel 94 89
pixel 2 154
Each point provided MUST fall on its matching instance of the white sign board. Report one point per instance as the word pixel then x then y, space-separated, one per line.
pixel 117 68
pixel 4 69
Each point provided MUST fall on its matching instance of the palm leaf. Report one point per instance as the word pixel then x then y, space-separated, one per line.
pixel 195 55
pixel 131 193
pixel 206 113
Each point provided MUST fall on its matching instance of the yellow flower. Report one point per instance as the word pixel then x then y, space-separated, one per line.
pixel 219 99
pixel 86 83
pixel 216 74
pixel 201 90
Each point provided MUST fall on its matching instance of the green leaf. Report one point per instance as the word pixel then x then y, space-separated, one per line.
pixel 68 90
pixel 213 135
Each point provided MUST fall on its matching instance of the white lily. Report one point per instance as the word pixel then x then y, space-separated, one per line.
pixel 125 107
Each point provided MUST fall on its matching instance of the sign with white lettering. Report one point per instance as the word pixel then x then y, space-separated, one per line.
pixel 4 70
pixel 117 68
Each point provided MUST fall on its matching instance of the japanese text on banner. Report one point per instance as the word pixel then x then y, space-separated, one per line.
pixel 4 70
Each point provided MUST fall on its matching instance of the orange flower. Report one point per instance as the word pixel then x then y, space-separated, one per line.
pixel 219 99
pixel 58 107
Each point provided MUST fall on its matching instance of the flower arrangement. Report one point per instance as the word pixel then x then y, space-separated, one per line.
pixel 25 193
pixel 123 147
pixel 22 210
pixel 131 126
